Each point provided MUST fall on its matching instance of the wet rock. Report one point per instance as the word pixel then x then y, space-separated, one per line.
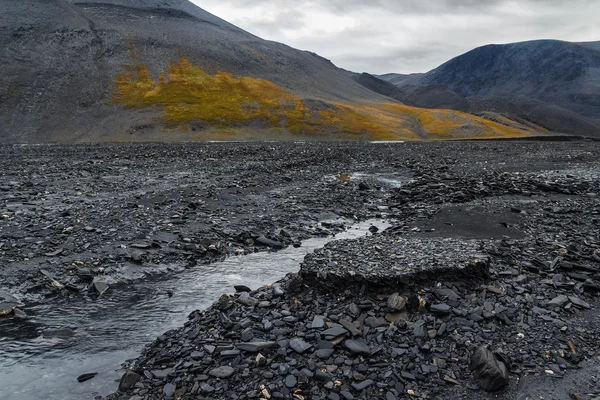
pixel 128 381
pixel 489 372
pixel 100 287
pixel 269 243
pixel 242 288
pixel 20 314
pixel 223 372
pixel 247 300
pixel 86 377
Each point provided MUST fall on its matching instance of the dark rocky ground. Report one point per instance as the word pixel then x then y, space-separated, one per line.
pixel 494 244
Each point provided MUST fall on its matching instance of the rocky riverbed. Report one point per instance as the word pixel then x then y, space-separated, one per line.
pixel 493 244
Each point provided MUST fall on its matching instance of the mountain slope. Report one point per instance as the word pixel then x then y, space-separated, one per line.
pixel 551 83
pixel 144 69
pixel 560 73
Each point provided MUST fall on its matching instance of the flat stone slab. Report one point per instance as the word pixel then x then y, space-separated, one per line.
pixel 392 262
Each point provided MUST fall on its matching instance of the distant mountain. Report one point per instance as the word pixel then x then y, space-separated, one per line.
pixel 556 82
pixel 82 70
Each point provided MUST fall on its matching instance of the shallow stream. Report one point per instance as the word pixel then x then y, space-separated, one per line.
pixel 101 333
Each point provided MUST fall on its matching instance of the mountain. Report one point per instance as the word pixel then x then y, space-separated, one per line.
pixel 556 83
pixel 82 70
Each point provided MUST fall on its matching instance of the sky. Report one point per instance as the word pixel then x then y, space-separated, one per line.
pixel 407 36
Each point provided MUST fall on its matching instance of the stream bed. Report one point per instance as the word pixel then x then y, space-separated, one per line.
pixel 89 334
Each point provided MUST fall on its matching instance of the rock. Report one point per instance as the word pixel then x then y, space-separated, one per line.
pixel 247 300
pixel 359 386
pixel 318 322
pixel 55 253
pixel 169 390
pixel 299 345
pixel 161 373
pixel 20 314
pixel 247 335
pixel 254 347
pixel 269 243
pixel 100 287
pixel 242 288
pixel 334 332
pixel 290 381
pixel 86 377
pixel 488 371
pixel 440 308
pixel 357 347
pixel 350 327
pixel 373 229
pixel 128 381
pixel 396 302
pixel 324 354
pixel 577 302
pixel 223 372
pixel 558 301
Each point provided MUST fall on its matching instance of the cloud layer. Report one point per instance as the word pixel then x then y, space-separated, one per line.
pixel 380 36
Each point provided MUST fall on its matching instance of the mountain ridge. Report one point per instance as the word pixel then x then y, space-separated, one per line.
pixel 64 59
pixel 561 78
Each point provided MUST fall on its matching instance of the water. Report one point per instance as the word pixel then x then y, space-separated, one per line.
pixel 109 330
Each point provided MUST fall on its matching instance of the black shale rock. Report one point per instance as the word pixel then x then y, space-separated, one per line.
pixel 489 372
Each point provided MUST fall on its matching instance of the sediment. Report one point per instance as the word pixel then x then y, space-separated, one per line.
pixel 495 245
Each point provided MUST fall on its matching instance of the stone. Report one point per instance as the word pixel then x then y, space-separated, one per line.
pixel 299 345
pixel 20 314
pixel 86 377
pixel 350 327
pixel 247 335
pixel 223 372
pixel 169 390
pixel 242 288
pixel 334 332
pixel 269 243
pixel 247 300
pixel 324 354
pixel 489 372
pixel 318 322
pixel 362 385
pixel 290 381
pixel 440 308
pixel 128 381
pixel 577 302
pixel 357 347
pixel 254 347
pixel 396 302
pixel 100 287
pixel 558 301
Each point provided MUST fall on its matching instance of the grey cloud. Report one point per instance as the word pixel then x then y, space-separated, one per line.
pixel 415 35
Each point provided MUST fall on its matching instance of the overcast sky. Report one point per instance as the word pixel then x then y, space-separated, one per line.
pixel 405 36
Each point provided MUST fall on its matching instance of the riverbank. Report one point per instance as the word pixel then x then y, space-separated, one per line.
pixel 489 237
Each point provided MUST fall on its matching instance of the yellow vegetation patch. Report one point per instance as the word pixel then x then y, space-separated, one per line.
pixel 186 94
